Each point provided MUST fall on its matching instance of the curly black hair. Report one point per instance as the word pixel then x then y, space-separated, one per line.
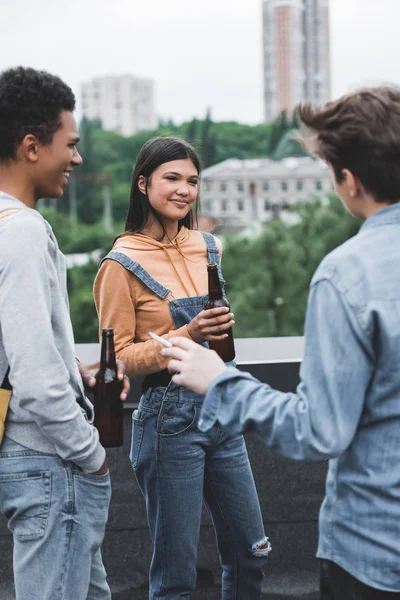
pixel 31 101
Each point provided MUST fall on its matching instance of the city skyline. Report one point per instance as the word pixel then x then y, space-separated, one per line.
pixel 208 54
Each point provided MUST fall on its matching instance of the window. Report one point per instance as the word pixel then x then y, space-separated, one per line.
pixel 267 204
pixel 224 205
pixel 275 209
pixel 222 187
pixel 284 185
pixel 240 205
pixel 285 205
pixel 240 187
pixel 265 186
pixel 318 185
pixel 299 185
pixel 207 186
pixel 207 206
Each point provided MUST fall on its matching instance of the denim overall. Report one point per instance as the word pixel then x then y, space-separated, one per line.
pixel 177 466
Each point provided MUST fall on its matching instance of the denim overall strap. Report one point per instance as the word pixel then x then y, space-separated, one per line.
pixel 138 271
pixel 213 253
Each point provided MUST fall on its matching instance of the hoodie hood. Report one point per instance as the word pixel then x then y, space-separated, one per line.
pixel 140 242
pixel 171 255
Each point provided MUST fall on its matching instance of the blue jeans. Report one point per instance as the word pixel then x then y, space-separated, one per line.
pixel 57 515
pixel 176 465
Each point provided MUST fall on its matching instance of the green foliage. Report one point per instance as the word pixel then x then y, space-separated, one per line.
pixel 268 277
pixel 288 145
pixel 83 311
pixel 109 158
pixel 76 237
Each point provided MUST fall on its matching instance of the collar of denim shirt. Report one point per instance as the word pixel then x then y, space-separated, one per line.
pixel 389 215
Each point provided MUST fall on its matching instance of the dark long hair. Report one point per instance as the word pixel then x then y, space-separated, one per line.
pixel 154 153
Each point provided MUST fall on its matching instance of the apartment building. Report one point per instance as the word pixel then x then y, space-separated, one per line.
pixel 122 103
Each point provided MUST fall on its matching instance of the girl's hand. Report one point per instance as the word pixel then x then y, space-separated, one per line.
pixel 211 324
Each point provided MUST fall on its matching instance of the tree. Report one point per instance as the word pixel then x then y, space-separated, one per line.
pixel 288 145
pixel 268 277
pixel 208 141
pixel 278 129
pixel 192 132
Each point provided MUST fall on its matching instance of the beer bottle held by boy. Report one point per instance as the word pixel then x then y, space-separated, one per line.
pixel 106 395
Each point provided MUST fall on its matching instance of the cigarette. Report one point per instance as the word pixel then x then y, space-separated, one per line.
pixel 159 339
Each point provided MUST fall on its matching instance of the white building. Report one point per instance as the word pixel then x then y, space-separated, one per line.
pixel 244 191
pixel 122 103
pixel 296 54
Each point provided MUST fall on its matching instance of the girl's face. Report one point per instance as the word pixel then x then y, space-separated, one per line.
pixel 172 189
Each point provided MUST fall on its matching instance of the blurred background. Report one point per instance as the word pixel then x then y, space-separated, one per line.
pixel 226 75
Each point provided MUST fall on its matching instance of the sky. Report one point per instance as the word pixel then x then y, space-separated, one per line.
pixel 200 53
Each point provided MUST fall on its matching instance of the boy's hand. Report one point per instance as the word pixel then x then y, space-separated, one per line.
pixel 194 366
pixel 88 373
pixel 103 469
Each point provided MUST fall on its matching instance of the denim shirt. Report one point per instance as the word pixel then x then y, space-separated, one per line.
pixel 347 405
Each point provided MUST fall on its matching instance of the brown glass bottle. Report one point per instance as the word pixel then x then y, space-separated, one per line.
pixel 216 298
pixel 108 405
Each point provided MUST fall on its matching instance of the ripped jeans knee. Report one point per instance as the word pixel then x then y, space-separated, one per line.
pixel 262 548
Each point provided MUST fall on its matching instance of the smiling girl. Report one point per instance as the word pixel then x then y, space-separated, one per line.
pixel 155 278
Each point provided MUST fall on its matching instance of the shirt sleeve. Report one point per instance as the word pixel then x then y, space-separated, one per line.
pixel 319 421
pixel 115 299
pixel 38 374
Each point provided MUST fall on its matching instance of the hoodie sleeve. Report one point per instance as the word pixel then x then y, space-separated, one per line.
pixel 38 374
pixel 117 295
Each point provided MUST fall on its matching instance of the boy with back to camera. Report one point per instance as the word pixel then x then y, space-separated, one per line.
pixel 347 405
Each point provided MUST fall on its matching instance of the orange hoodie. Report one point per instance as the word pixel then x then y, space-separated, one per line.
pixel 131 309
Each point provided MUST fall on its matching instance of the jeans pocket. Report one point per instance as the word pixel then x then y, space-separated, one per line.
pixel 25 502
pixel 137 436
pixel 175 418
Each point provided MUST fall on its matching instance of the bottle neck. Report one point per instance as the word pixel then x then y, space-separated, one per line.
pixel 107 358
pixel 215 291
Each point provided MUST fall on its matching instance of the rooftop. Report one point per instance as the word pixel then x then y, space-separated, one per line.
pixel 258 168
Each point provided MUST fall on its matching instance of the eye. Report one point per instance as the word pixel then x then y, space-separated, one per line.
pixel 194 182
pixel 171 178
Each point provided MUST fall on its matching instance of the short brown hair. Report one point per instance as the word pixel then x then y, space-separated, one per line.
pixel 359 132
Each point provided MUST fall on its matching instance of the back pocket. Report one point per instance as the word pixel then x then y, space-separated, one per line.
pixel 25 502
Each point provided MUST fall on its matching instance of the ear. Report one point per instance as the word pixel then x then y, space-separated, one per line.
pixel 29 148
pixel 354 185
pixel 142 184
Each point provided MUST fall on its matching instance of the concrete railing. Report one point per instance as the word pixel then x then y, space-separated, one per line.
pixel 290 493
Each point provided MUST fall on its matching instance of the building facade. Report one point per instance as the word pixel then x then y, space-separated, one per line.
pixel 245 191
pixel 296 54
pixel 124 104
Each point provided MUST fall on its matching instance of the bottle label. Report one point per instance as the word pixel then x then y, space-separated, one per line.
pixel 109 375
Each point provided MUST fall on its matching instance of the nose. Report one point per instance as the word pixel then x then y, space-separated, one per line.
pixel 77 159
pixel 183 190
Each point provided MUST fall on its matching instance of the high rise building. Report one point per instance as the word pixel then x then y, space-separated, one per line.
pixel 122 103
pixel 296 54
